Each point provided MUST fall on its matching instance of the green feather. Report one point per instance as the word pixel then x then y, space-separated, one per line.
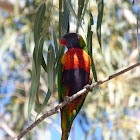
pixel 60 67
pixel 82 44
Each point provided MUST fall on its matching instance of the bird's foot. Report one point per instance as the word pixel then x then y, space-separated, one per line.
pixel 67 99
pixel 88 88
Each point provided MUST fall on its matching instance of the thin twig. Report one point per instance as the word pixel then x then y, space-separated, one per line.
pixel 69 99
pixel 48 121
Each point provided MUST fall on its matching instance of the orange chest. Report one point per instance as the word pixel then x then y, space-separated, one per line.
pixel 76 58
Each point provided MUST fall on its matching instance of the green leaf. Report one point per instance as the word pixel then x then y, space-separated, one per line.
pixel 35 73
pixel 65 18
pixel 46 27
pixel 99 20
pixel 37 55
pixel 63 28
pixel 37 27
pixel 80 8
pixel 89 45
pixel 50 68
pixel 60 67
pixel 60 25
pixel 94 70
pixel 55 43
pixel 69 6
pixel 45 102
pixel 84 10
pixel 60 54
pixel 59 51
pixel 71 9
pixel 38 22
pixel 44 64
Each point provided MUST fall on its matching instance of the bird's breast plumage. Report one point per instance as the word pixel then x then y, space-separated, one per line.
pixel 76 58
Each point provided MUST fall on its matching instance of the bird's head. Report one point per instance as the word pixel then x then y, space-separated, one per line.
pixel 72 40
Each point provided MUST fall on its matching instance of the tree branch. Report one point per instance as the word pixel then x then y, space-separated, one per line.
pixel 69 99
pixel 48 121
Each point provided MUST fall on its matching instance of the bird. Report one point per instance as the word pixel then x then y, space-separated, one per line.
pixel 73 74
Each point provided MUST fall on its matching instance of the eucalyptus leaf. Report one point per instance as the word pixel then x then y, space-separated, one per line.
pixel 43 63
pixel 50 68
pixel 35 73
pixel 55 43
pixel 84 9
pixel 45 102
pixel 60 18
pixel 65 18
pixel 80 9
pixel 57 49
pixel 37 55
pixel 100 4
pixel 59 56
pixel 38 22
pixel 69 6
pixel 71 9
pixel 89 45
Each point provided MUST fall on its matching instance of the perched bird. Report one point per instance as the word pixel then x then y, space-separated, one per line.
pixel 73 75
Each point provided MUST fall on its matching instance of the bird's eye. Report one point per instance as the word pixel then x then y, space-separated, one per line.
pixel 70 36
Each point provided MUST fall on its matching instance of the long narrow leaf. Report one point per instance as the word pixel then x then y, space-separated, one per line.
pixel 69 6
pixel 80 9
pixel 99 20
pixel 71 9
pixel 45 102
pixel 60 25
pixel 63 28
pixel 59 56
pixel 35 75
pixel 44 64
pixel 57 50
pixel 37 55
pixel 50 68
pixel 84 10
pixel 65 18
pixel 89 44
pixel 38 22
pixel 55 43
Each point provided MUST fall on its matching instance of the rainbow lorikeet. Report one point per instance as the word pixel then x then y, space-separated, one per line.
pixel 73 75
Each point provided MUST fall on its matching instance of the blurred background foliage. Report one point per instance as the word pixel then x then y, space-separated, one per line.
pixel 112 110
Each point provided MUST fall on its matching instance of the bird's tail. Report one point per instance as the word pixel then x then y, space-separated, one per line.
pixel 68 113
pixel 65 135
pixel 66 123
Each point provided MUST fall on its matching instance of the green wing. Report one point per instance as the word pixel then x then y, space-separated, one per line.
pixel 62 89
pixel 60 67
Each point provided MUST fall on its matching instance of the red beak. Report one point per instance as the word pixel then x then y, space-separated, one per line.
pixel 63 42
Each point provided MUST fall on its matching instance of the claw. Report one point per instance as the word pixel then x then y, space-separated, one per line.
pixel 88 88
pixel 67 99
